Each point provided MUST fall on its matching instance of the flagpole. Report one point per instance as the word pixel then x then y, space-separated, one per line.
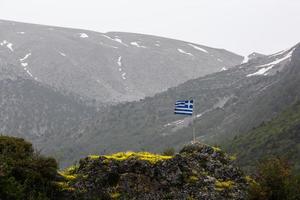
pixel 194 137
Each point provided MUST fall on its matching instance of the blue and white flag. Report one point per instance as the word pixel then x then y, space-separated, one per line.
pixel 184 107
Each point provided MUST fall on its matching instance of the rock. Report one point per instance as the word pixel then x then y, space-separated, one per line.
pixel 198 171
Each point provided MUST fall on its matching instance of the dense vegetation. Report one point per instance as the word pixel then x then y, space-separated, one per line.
pixel 24 174
pixel 278 137
pixel 274 181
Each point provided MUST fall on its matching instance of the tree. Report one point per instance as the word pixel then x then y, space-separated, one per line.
pixel 25 174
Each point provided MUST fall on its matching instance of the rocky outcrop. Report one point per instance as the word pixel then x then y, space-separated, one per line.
pixel 198 171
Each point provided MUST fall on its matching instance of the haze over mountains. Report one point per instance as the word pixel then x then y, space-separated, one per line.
pixel 108 67
pixel 50 77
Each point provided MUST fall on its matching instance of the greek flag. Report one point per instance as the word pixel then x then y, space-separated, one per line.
pixel 184 107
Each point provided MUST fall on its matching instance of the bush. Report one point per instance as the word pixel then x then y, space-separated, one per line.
pixel 169 152
pixel 23 173
pixel 275 181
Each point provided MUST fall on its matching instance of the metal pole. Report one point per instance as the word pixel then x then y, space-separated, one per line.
pixel 194 137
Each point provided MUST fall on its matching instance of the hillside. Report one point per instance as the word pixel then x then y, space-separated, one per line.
pixel 108 67
pixel 39 113
pixel 277 137
pixel 227 103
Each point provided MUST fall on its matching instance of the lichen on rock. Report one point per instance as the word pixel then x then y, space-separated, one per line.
pixel 198 171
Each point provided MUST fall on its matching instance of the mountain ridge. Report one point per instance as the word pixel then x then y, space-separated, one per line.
pixel 119 66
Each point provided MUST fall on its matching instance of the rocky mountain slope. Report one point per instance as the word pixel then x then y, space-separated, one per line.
pixel 39 113
pixel 227 103
pixel 108 67
pixel 197 172
pixel 278 137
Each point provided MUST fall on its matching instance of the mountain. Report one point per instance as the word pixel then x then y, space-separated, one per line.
pixel 107 67
pixel 277 137
pixel 227 103
pixel 255 55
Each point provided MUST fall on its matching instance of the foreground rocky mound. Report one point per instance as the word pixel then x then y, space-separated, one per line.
pixel 198 171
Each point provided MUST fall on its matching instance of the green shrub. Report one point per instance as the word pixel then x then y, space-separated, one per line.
pixel 275 181
pixel 23 173
pixel 169 152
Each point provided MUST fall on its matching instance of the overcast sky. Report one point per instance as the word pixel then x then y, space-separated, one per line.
pixel 242 26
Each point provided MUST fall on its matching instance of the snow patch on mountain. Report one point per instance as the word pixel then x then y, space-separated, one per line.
pixel 137 45
pixel 266 67
pixel 83 35
pixel 115 39
pixel 62 54
pixel 224 69
pixel 8 45
pixel 246 59
pixel 124 76
pixel 24 64
pixel 198 48
pixel 279 60
pixel 3 42
pixel 157 43
pixel 28 72
pixel 262 71
pixel 184 52
pixel 120 61
pixel 25 57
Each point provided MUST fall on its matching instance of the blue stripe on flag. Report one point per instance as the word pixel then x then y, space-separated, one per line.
pixel 182 113
pixel 187 110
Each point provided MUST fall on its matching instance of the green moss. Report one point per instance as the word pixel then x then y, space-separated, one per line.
pixel 152 158
pixel 68 177
pixel 115 195
pixel 69 173
pixel 63 186
pixel 232 157
pixel 216 149
pixel 193 179
pixel 224 185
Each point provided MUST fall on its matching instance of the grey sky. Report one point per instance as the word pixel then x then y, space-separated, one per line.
pixel 242 26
